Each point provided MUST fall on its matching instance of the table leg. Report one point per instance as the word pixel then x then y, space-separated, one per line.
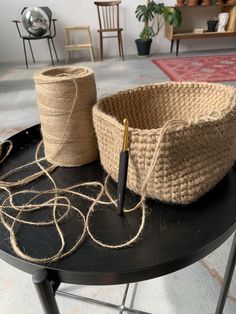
pixel 45 292
pixel 122 306
pixel 177 47
pixel 227 277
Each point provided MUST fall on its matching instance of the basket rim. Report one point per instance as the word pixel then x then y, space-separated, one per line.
pixel 186 124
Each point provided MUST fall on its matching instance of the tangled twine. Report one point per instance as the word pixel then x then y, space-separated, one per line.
pixel 56 202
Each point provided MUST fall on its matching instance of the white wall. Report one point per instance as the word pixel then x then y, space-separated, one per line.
pixel 83 12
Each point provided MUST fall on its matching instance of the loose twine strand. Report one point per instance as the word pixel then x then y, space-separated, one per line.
pixel 58 201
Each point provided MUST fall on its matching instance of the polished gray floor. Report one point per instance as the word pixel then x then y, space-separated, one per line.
pixel 194 289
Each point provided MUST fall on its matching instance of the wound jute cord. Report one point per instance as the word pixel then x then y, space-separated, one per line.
pixel 59 198
pixel 66 115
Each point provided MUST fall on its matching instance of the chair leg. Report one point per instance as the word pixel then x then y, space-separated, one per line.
pixel 31 51
pixel 91 45
pixel 101 47
pixel 54 48
pixel 26 61
pixel 91 54
pixel 66 55
pixel 121 45
pixel 50 51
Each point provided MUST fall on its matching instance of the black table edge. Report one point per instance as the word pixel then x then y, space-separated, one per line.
pixel 112 278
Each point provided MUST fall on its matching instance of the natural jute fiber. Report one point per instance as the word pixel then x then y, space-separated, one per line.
pixel 65 98
pixel 58 198
pixel 196 150
pixel 11 212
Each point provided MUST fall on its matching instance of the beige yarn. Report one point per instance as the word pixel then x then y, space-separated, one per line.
pixel 8 150
pixel 65 98
pixel 56 201
pixel 217 119
pixel 197 148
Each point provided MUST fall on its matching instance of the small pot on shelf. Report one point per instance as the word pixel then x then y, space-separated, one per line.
pixel 206 3
pixel 211 25
pixel 219 2
pixel 231 2
pixel 180 3
pixel 193 3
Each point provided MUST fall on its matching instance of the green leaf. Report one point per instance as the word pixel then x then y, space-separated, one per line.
pixel 145 12
pixel 158 8
pixel 170 18
pixel 177 18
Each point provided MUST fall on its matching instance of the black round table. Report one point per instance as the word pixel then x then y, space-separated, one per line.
pixel 174 236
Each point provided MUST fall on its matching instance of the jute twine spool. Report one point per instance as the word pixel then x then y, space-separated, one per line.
pixel 65 97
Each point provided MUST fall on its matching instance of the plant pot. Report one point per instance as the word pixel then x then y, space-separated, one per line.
pixel 180 3
pixel 206 2
pixel 193 3
pixel 143 46
pixel 211 26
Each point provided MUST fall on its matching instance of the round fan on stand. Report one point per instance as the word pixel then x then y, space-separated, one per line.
pixel 36 21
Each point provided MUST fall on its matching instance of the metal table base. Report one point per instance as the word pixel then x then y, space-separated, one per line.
pixel 121 308
pixel 47 289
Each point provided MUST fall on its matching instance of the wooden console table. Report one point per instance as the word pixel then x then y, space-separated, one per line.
pixel 180 33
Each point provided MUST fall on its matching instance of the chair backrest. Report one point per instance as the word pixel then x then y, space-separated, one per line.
pixel 108 14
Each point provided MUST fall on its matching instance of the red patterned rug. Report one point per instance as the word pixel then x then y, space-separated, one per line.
pixel 206 68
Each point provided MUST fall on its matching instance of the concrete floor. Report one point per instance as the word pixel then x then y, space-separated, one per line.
pixel 194 289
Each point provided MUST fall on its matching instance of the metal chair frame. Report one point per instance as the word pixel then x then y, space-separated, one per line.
pixel 49 36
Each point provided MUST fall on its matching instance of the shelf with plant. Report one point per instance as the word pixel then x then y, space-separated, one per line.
pixel 154 15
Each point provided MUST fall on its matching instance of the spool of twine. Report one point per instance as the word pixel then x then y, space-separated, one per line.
pixel 65 98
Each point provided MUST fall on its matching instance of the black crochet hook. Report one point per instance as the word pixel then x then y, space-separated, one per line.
pixel 123 169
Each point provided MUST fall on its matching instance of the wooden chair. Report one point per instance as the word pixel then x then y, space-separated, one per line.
pixel 72 47
pixel 108 16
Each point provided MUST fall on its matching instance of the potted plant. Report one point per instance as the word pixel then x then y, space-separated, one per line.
pixel 153 14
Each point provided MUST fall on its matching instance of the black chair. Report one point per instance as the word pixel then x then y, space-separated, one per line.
pixel 49 36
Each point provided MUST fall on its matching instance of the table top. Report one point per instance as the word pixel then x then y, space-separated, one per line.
pixel 174 236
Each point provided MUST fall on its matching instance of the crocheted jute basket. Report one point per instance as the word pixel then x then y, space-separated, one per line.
pixel 196 150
